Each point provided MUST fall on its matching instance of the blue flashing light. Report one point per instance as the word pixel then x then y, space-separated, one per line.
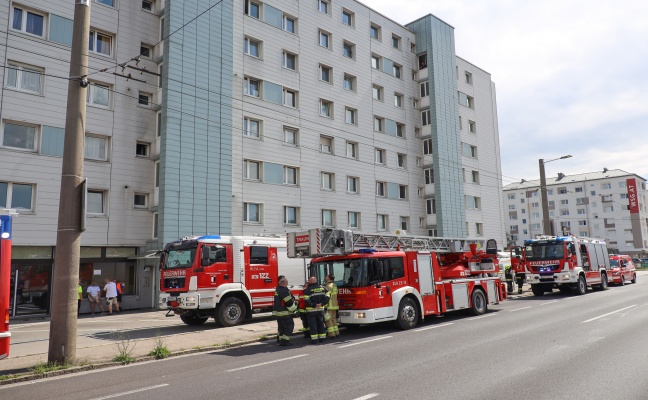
pixel 562 238
pixel 207 237
pixel 528 241
pixel 367 251
pixel 5 226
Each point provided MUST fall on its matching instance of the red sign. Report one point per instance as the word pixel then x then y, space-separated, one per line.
pixel 301 239
pixel 632 195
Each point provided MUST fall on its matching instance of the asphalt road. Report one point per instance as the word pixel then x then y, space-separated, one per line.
pixel 551 347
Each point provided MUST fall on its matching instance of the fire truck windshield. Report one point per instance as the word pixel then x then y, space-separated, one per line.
pixel 179 258
pixel 360 272
pixel 614 263
pixel 545 251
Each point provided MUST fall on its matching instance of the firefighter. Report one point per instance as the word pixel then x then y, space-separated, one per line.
pixel 519 280
pixel 332 329
pixel 283 308
pixel 317 299
pixel 508 274
pixel 302 313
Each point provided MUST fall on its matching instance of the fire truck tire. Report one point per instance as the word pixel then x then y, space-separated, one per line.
pixel 634 278
pixel 192 320
pixel 622 280
pixel 230 312
pixel 604 283
pixel 537 290
pixel 581 285
pixel 479 305
pixel 407 314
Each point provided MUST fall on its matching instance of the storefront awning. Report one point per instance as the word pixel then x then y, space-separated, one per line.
pixel 145 255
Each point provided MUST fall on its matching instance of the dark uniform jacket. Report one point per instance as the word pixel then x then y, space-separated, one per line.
pixel 314 295
pixel 284 302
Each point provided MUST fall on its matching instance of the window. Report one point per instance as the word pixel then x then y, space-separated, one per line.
pixel 580 211
pixel 146 51
pixel 427 146
pixel 382 222
pixel 144 99
pixel 375 62
pixel 324 6
pixel 511 206
pixel 24 77
pixel 430 206
pixel 110 3
pixel 396 70
pixel 326 108
pixel 354 219
pixel 415 103
pixel 352 184
pixel 622 184
pixel 428 173
pixel 290 98
pixel 142 149
pixel 582 200
pixel 396 42
pixel 251 87
pixel 252 9
pixel 562 190
pixel 425 117
pixel 291 215
pixel 290 176
pixel 348 18
pixel 326 144
pixel 252 47
pixel 289 61
pixel 350 116
pixel 147 5
pixel 380 156
pixel 16 195
pixel 402 192
pixel 564 201
pixel 328 181
pixel 404 223
pixel 468 77
pixel 578 189
pixel 140 200
pixel 380 189
pixel 98 95
pixel 377 92
pixel 378 124
pixel 251 127
pixel 465 100
pixel 473 202
pixel 291 136
pixel 472 128
pixel 19 136
pixel 607 186
pixel 511 196
pixel 27 21
pixel 289 24
pixel 100 43
pixel 419 161
pixel 479 228
pixel 324 39
pixel 352 150
pixel 157 174
pixel 325 73
pixel 469 150
pixel 328 218
pixel 95 148
pixel 474 176
pixel 400 130
pixel 402 160
pixel 349 82
pixel 398 100
pixel 424 89
pixel 422 61
pixel 608 208
pixel 252 213
pixel 95 202
pixel 535 226
pixel 348 49
pixel 374 31
pixel 252 170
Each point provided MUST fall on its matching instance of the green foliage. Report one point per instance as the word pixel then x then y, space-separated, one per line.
pixel 42 367
pixel 124 347
pixel 159 350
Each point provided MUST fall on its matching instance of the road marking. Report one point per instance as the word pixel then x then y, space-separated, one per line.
pixel 266 363
pixel 131 391
pixel 433 327
pixel 549 302
pixel 610 313
pixel 364 341
pixel 518 309
pixel 480 317
pixel 367 396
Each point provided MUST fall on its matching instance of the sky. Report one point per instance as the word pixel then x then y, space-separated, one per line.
pixel 571 77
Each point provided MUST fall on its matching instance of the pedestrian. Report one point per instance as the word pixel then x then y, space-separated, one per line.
pixel 302 313
pixel 110 290
pixel 283 309
pixel 94 298
pixel 79 296
pixel 317 299
pixel 508 275
pixel 332 308
pixel 120 289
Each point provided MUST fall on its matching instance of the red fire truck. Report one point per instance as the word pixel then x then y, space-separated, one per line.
pixel 566 262
pixel 402 278
pixel 224 277
pixel 5 278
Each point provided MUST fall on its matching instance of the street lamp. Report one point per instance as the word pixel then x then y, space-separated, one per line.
pixel 547 228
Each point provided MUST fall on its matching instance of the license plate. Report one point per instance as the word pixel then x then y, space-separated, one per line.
pixel 344 314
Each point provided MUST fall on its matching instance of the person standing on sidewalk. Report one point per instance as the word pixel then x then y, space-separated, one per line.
pixel 79 297
pixel 283 308
pixel 332 329
pixel 316 298
pixel 120 289
pixel 111 295
pixel 94 298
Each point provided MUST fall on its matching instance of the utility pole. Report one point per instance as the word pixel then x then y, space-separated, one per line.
pixel 547 226
pixel 63 325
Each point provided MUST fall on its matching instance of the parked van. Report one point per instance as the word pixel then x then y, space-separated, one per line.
pixel 622 269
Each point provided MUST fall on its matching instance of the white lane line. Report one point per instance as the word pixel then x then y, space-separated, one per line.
pixel 549 302
pixel 131 391
pixel 364 341
pixel 610 313
pixel 433 327
pixel 518 309
pixel 480 317
pixel 266 363
pixel 367 396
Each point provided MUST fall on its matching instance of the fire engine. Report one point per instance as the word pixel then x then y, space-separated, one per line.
pixel 224 277
pixel 5 275
pixel 401 278
pixel 566 262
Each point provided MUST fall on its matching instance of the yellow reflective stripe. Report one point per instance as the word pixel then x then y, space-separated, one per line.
pixel 287 298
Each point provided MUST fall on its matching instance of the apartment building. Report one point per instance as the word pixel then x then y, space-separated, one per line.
pixel 608 204
pixel 257 118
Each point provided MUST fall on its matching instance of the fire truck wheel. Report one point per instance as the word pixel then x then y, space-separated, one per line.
pixel 622 280
pixel 537 290
pixel 634 278
pixel 604 283
pixel 407 314
pixel 478 302
pixel 581 286
pixel 230 312
pixel 191 320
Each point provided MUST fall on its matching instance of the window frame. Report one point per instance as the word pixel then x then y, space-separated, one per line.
pixel 90 96
pixel 20 69
pixel 295 133
pixel 325 34
pixel 352 82
pixel 353 185
pixel 351 50
pixel 246 213
pixel 284 24
pixel 9 199
pixel 287 175
pixel 354 116
pixel 35 139
pixel 379 156
pixel 250 165
pixel 425 118
pixel 151 2
pixel 356 215
pixel 284 60
pixel 396 40
pixel 427 147
pixel 324 6
pixel 352 150
pixel 326 108
pixel 351 15
pixel 248 43
pixel 102 158
pixel 92 44
pixel 249 82
pixel 25 11
pixel 104 203
pixel 382 222
pixel 325 69
pixel 139 206
pixel 377 29
pixel 248 123
pixel 327 181
pixel 145 145
pixel 248 9
pixel 332 218
pixel 294 94
pixel 285 215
